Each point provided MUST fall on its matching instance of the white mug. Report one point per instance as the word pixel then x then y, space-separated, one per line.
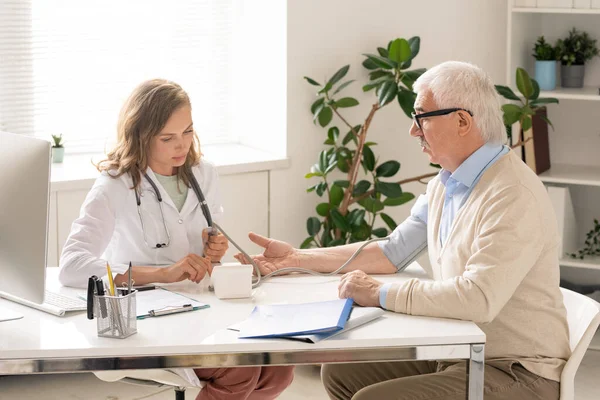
pixel 232 280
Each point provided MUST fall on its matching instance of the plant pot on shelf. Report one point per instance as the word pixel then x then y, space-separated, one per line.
pixel 536 152
pixel 545 74
pixel 58 154
pixel 571 76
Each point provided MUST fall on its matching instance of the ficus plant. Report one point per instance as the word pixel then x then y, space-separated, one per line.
pixel 351 209
pixel 528 103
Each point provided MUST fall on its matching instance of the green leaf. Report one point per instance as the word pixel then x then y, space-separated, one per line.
pixel 404 198
pixel 380 232
pixel 387 169
pixel 338 75
pixel 317 112
pixel 380 74
pixel 311 189
pixel 336 194
pixel 362 232
pixel 307 242
pixel 361 187
pixel 415 45
pixel 313 226
pixel 350 136
pixel 333 133
pixel 512 113
pixel 536 90
pixel 356 217
pixel 325 116
pixel 316 104
pixel 387 92
pixel 371 205
pixel 389 221
pixel 547 121
pixel 312 81
pixel 369 64
pixel 323 160
pixel 342 183
pixel 406 99
pixel 313 174
pixel 524 83
pixel 346 102
pixel 323 209
pixel 543 100
pixel 389 189
pixel 342 86
pixel 325 88
pixel 507 92
pixel 336 242
pixel 381 62
pixel 400 51
pixel 526 124
pixel 368 158
pixel 321 188
pixel 339 221
pixel 382 52
pixel 409 77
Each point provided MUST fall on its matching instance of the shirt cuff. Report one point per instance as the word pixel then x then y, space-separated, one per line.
pixel 383 291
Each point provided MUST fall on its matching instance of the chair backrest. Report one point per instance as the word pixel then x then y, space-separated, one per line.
pixel 583 317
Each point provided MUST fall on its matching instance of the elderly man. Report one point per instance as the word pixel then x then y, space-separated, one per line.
pixel 493 246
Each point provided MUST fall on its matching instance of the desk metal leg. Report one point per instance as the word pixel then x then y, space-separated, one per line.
pixel 475 371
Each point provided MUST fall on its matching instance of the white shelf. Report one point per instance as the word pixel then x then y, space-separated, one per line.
pixel 531 10
pixel 572 175
pixel 585 93
pixel 588 262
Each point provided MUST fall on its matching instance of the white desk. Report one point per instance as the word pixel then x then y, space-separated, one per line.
pixel 43 343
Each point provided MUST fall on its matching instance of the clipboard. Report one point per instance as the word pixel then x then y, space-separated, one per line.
pixel 159 302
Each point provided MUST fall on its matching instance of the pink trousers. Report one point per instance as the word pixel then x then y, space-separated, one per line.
pixel 244 383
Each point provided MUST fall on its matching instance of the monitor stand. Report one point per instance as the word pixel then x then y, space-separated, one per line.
pixel 8 315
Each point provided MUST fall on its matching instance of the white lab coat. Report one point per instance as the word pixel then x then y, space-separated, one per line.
pixel 109 227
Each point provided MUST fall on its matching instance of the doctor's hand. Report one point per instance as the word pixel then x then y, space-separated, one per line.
pixel 215 246
pixel 192 267
pixel 277 254
pixel 361 287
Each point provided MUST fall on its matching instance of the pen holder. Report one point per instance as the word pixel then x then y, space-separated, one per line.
pixel 116 315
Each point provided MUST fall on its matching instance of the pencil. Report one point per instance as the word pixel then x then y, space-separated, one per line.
pixel 111 283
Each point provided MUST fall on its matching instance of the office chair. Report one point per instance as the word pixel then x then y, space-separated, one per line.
pixel 583 317
pixel 151 377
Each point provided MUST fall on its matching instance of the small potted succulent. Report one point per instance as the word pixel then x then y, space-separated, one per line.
pixel 58 150
pixel 574 51
pixel 545 64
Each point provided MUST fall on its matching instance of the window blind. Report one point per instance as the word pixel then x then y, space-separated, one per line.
pixel 67 66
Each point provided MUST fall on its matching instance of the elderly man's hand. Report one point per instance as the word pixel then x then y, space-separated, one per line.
pixel 361 287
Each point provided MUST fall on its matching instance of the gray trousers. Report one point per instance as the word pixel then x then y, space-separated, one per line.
pixel 425 380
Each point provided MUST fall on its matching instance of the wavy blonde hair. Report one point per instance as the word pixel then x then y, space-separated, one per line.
pixel 143 116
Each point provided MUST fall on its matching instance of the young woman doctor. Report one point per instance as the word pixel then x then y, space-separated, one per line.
pixel 143 209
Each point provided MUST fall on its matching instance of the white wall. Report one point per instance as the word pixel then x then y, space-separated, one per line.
pixel 325 35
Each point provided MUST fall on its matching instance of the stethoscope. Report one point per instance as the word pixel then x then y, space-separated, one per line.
pixel 201 199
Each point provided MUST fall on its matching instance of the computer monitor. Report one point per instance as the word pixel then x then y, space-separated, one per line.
pixel 24 199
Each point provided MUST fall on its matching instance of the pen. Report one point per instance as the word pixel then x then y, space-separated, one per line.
pixel 158 313
pixel 111 283
pixel 129 279
pixel 144 288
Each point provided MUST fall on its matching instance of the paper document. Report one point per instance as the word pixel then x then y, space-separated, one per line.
pixel 161 299
pixel 296 319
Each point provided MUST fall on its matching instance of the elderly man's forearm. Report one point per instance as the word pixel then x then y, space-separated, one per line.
pixel 370 260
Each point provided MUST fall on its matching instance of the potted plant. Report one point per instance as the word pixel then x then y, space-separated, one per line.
pixel 58 150
pixel 532 116
pixel 350 209
pixel 574 51
pixel 545 64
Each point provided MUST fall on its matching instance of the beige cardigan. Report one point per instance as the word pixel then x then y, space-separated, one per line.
pixel 498 268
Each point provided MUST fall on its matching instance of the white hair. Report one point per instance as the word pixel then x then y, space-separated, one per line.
pixel 464 85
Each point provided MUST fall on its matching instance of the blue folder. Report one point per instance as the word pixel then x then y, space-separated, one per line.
pixel 283 320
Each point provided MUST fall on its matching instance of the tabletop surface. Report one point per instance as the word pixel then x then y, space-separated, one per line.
pixel 41 335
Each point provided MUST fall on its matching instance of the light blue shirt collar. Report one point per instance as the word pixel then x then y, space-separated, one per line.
pixel 472 167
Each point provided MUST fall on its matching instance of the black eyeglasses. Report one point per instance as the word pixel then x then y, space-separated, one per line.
pixel 436 113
